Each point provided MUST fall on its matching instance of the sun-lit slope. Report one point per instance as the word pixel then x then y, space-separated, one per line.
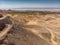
pixel 40 24
pixel 47 27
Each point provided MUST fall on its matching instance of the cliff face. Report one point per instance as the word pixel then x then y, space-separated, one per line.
pixel 34 30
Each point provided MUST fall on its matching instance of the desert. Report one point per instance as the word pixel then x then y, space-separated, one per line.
pixel 29 27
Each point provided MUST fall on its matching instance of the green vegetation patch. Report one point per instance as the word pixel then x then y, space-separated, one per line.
pixel 31 12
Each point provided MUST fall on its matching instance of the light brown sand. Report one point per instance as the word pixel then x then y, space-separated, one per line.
pixel 34 30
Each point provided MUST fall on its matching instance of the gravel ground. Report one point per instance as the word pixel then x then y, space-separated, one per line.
pixel 20 36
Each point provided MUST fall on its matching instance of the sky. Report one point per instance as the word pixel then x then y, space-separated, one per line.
pixel 9 4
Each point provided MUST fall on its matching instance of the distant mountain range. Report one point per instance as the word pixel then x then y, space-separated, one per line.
pixel 34 9
pixel 38 9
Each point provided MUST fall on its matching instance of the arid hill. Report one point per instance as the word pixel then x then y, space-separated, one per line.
pixel 32 28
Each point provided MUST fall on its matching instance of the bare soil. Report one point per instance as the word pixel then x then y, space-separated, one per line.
pixel 33 30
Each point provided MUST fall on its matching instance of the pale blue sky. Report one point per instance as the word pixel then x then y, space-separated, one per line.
pixel 6 4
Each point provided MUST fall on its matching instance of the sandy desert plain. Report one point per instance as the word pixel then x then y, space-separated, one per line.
pixel 29 27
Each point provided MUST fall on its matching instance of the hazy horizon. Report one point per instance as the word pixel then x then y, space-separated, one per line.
pixel 28 4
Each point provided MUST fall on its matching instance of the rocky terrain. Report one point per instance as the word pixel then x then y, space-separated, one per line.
pixel 30 29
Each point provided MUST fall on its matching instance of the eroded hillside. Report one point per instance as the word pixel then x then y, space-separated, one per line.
pixel 34 29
